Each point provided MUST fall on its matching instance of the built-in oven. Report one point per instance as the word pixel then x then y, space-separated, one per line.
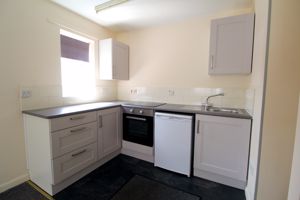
pixel 138 125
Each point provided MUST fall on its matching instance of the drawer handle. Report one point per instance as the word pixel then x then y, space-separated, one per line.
pixel 77 130
pixel 80 152
pixel 136 118
pixel 77 118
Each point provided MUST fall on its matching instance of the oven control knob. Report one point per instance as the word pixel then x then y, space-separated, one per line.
pixel 131 110
pixel 141 111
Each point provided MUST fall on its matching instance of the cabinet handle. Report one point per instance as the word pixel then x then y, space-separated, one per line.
pixel 80 152
pixel 198 126
pixel 211 61
pixel 77 118
pixel 100 121
pixel 77 130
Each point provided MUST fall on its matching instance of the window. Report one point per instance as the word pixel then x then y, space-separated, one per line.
pixel 77 65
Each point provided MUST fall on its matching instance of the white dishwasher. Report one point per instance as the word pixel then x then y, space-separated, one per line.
pixel 173 142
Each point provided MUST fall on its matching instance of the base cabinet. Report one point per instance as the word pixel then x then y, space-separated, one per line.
pixel 222 149
pixel 62 150
pixel 109 131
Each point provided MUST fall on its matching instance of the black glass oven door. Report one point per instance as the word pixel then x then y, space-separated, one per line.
pixel 138 129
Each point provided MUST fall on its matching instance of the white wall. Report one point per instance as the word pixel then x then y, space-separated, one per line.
pixel 30 58
pixel 169 63
pixel 294 192
pixel 281 101
pixel 257 84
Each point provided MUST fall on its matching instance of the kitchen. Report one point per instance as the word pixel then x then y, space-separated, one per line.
pixel 155 76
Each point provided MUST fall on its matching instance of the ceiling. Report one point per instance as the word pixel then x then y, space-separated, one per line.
pixel 143 13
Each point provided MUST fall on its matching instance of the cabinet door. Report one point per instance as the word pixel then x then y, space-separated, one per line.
pixel 105 59
pixel 120 61
pixel 231 44
pixel 109 132
pixel 222 146
pixel 113 60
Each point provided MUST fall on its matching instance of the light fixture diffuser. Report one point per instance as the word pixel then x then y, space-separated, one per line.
pixel 108 4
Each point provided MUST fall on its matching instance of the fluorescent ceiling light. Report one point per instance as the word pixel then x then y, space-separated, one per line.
pixel 108 4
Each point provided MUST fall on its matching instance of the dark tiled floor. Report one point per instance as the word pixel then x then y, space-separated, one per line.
pixel 22 192
pixel 141 188
pixel 108 179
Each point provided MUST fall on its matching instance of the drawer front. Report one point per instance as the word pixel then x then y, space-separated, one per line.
pixel 71 163
pixel 73 138
pixel 72 120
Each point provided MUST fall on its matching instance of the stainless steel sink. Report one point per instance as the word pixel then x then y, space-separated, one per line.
pixel 224 110
pixel 213 109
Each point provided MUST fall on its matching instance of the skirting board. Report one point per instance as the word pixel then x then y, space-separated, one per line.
pixel 220 179
pixel 14 182
pixel 138 151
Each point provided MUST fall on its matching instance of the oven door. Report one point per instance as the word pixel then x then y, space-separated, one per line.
pixel 138 129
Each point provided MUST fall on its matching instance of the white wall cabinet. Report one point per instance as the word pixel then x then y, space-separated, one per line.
pixel 222 149
pixel 231 44
pixel 60 151
pixel 109 131
pixel 113 60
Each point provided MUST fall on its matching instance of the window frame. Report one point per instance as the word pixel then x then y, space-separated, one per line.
pixel 92 57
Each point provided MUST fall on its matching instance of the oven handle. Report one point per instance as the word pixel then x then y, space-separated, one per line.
pixel 136 118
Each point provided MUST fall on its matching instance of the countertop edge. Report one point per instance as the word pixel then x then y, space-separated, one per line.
pixel 37 112
pixel 31 112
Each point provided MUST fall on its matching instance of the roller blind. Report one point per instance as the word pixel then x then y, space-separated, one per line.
pixel 74 49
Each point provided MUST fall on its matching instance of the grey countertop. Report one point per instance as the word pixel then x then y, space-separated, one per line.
pixel 49 113
pixel 55 112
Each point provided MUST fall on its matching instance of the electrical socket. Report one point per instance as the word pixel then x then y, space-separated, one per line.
pixel 133 91
pixel 25 94
pixel 171 93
